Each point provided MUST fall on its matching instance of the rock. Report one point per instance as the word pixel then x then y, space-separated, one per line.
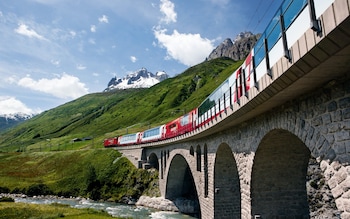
pixel 236 50
pixel 321 201
pixel 182 205
pixel 159 203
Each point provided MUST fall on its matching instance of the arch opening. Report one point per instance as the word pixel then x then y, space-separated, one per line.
pixel 191 151
pixel 227 192
pixel 278 184
pixel 199 158
pixel 181 188
pixel 206 175
pixel 153 161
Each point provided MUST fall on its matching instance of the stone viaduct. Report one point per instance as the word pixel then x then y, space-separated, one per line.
pixel 252 161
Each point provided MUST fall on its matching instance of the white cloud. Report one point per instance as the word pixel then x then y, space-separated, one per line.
pixel 167 8
pixel 81 67
pixel 189 49
pixel 103 19
pixel 10 105
pixel 133 58
pixel 93 28
pixel 72 33
pixel 95 74
pixel 11 80
pixel 55 63
pixel 65 87
pixel 24 30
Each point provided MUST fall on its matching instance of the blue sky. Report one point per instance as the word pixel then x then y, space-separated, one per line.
pixel 54 51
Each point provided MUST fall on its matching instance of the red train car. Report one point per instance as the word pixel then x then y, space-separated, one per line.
pixel 110 142
pixel 181 125
pixel 243 77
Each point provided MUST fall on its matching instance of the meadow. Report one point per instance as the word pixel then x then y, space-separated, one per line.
pixel 99 174
pixel 25 210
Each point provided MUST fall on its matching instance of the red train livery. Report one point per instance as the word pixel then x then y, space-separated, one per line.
pixel 228 92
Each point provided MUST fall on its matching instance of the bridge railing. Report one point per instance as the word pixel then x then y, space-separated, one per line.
pixel 292 19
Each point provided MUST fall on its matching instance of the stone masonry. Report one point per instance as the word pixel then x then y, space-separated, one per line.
pixel 271 148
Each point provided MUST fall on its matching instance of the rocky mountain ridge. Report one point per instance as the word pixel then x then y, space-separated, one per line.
pixel 237 49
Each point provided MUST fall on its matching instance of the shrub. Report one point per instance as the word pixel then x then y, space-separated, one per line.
pixel 6 199
pixel 18 191
pixel 38 189
pixel 4 190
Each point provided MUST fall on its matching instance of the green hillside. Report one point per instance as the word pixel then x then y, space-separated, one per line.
pixel 97 174
pixel 100 115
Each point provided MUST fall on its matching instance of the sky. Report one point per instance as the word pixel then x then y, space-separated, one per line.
pixel 55 51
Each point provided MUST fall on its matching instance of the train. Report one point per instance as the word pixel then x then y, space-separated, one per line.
pixel 215 104
pixel 270 47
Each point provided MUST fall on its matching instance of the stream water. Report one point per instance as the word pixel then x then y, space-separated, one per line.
pixel 114 209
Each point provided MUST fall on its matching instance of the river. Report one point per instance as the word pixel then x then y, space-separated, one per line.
pixel 114 209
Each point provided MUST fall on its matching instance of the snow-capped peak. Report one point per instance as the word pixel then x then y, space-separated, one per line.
pixel 12 119
pixel 138 79
pixel 17 116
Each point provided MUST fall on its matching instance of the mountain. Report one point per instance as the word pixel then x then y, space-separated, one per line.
pixel 118 110
pixel 107 114
pixel 237 49
pixel 138 79
pixel 11 120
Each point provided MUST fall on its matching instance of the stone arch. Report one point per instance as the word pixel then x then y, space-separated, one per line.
pixel 180 184
pixel 278 183
pixel 227 192
pixel 153 161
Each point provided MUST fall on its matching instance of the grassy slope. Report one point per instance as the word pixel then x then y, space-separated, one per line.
pixel 98 174
pixel 24 210
pixel 104 115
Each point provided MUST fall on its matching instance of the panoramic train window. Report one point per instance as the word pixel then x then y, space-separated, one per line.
pixel 130 137
pixel 151 132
